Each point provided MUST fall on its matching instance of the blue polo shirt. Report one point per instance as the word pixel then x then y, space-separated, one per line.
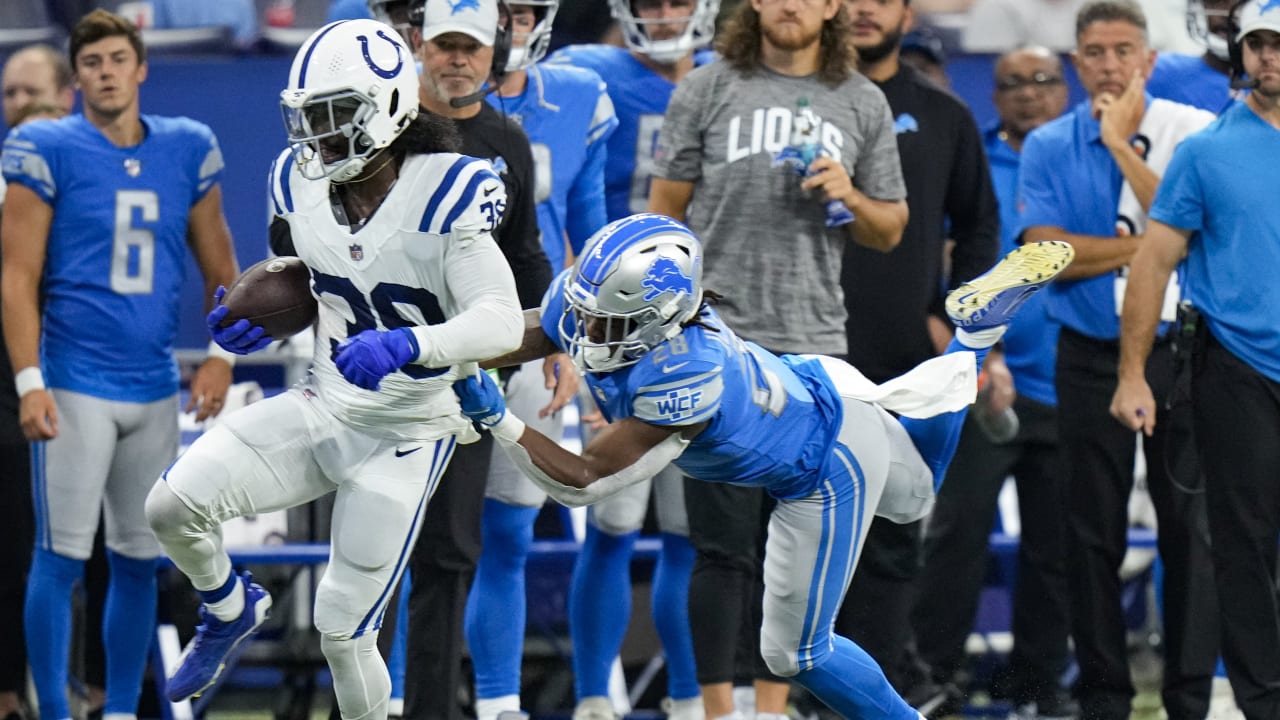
pixel 1030 344
pixel 1221 183
pixel 1188 79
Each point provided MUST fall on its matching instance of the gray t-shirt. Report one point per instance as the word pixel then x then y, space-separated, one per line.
pixel 767 247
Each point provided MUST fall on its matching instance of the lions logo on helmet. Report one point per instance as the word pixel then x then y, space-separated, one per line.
pixel 666 39
pixel 638 280
pixel 353 89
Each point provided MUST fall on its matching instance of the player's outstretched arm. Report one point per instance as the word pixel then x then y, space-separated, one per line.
pixel 210 241
pixel 622 454
pixel 24 231
pixel 534 344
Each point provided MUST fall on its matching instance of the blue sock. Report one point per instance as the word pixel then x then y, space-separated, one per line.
pixel 47 617
pixel 396 661
pixel 599 607
pixel 128 623
pixel 495 618
pixel 936 438
pixel 671 614
pixel 853 685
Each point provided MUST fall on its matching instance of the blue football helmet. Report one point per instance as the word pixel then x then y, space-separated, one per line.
pixel 636 283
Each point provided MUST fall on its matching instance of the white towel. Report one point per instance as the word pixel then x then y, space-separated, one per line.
pixel 943 384
pixel 1164 125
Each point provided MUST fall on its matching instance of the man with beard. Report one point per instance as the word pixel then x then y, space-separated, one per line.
pixel 769 236
pixel 1212 208
pixel 892 299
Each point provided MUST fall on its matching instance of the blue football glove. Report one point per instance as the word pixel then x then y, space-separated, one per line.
pixel 240 337
pixel 374 354
pixel 481 399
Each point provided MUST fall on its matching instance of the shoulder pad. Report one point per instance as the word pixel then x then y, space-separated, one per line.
pixel 466 199
pixel 683 392
pixel 278 183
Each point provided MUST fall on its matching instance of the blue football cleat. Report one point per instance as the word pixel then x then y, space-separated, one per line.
pixel 993 298
pixel 217 644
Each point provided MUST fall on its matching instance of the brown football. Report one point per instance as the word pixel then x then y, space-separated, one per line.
pixel 276 294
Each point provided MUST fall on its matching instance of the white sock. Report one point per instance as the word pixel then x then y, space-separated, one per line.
pixel 771 716
pixel 735 715
pixel 979 339
pixel 489 708
pixel 228 608
pixel 119 716
pixel 395 707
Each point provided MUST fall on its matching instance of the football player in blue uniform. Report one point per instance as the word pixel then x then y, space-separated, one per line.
pixel 679 386
pixel 568 117
pixel 101 211
pixel 662 37
pixel 396 229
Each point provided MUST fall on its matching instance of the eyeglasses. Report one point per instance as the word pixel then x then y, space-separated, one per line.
pixel 1039 81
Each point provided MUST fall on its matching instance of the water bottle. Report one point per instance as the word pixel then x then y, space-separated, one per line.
pixel 999 427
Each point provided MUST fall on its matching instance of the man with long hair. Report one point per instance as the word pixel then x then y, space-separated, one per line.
pixel 786 70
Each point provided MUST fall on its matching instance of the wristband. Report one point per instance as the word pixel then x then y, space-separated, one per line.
pixel 28 379
pixel 217 351
pixel 509 429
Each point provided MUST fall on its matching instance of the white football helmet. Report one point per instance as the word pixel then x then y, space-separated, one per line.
pixel 1210 25
pixel 538 40
pixel 698 30
pixel 403 15
pixel 636 283
pixel 353 89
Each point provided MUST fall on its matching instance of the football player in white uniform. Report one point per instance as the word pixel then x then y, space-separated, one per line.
pixel 410 284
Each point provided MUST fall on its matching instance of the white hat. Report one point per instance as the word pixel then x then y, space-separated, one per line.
pixel 1259 15
pixel 477 18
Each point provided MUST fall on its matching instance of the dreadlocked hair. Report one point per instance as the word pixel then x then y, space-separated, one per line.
pixel 428 133
pixel 709 298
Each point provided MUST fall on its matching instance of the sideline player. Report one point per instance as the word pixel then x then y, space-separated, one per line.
pixel 396 230
pixel 680 387
pixel 100 212
pixel 568 117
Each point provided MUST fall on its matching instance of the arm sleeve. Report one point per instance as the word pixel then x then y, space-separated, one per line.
pixel 971 205
pixel 878 169
pixel 280 237
pixel 649 464
pixel 26 162
pixel 518 235
pixel 679 154
pixel 490 321
pixel 1179 200
pixel 587 212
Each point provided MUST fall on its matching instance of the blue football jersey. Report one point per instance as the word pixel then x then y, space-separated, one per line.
pixel 640 98
pixel 772 420
pixel 568 117
pixel 117 247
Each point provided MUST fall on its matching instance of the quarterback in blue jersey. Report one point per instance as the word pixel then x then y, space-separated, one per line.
pixel 680 387
pixel 101 210
pixel 662 37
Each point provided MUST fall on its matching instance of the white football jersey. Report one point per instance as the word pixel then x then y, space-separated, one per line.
pixel 425 259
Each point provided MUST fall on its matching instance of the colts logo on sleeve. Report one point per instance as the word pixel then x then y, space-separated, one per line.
pixel 665 275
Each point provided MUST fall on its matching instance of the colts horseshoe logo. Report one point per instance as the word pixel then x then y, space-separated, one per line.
pixel 384 74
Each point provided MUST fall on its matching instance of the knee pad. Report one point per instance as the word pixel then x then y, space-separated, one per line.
pixel 168 515
pixel 781 661
pixel 360 678
pixel 621 513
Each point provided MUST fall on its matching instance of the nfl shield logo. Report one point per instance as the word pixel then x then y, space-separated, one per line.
pixel 357 252
pixel 133 166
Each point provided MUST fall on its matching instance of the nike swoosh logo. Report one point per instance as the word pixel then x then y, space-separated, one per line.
pixel 673 368
pixel 402 453
pixel 489 192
